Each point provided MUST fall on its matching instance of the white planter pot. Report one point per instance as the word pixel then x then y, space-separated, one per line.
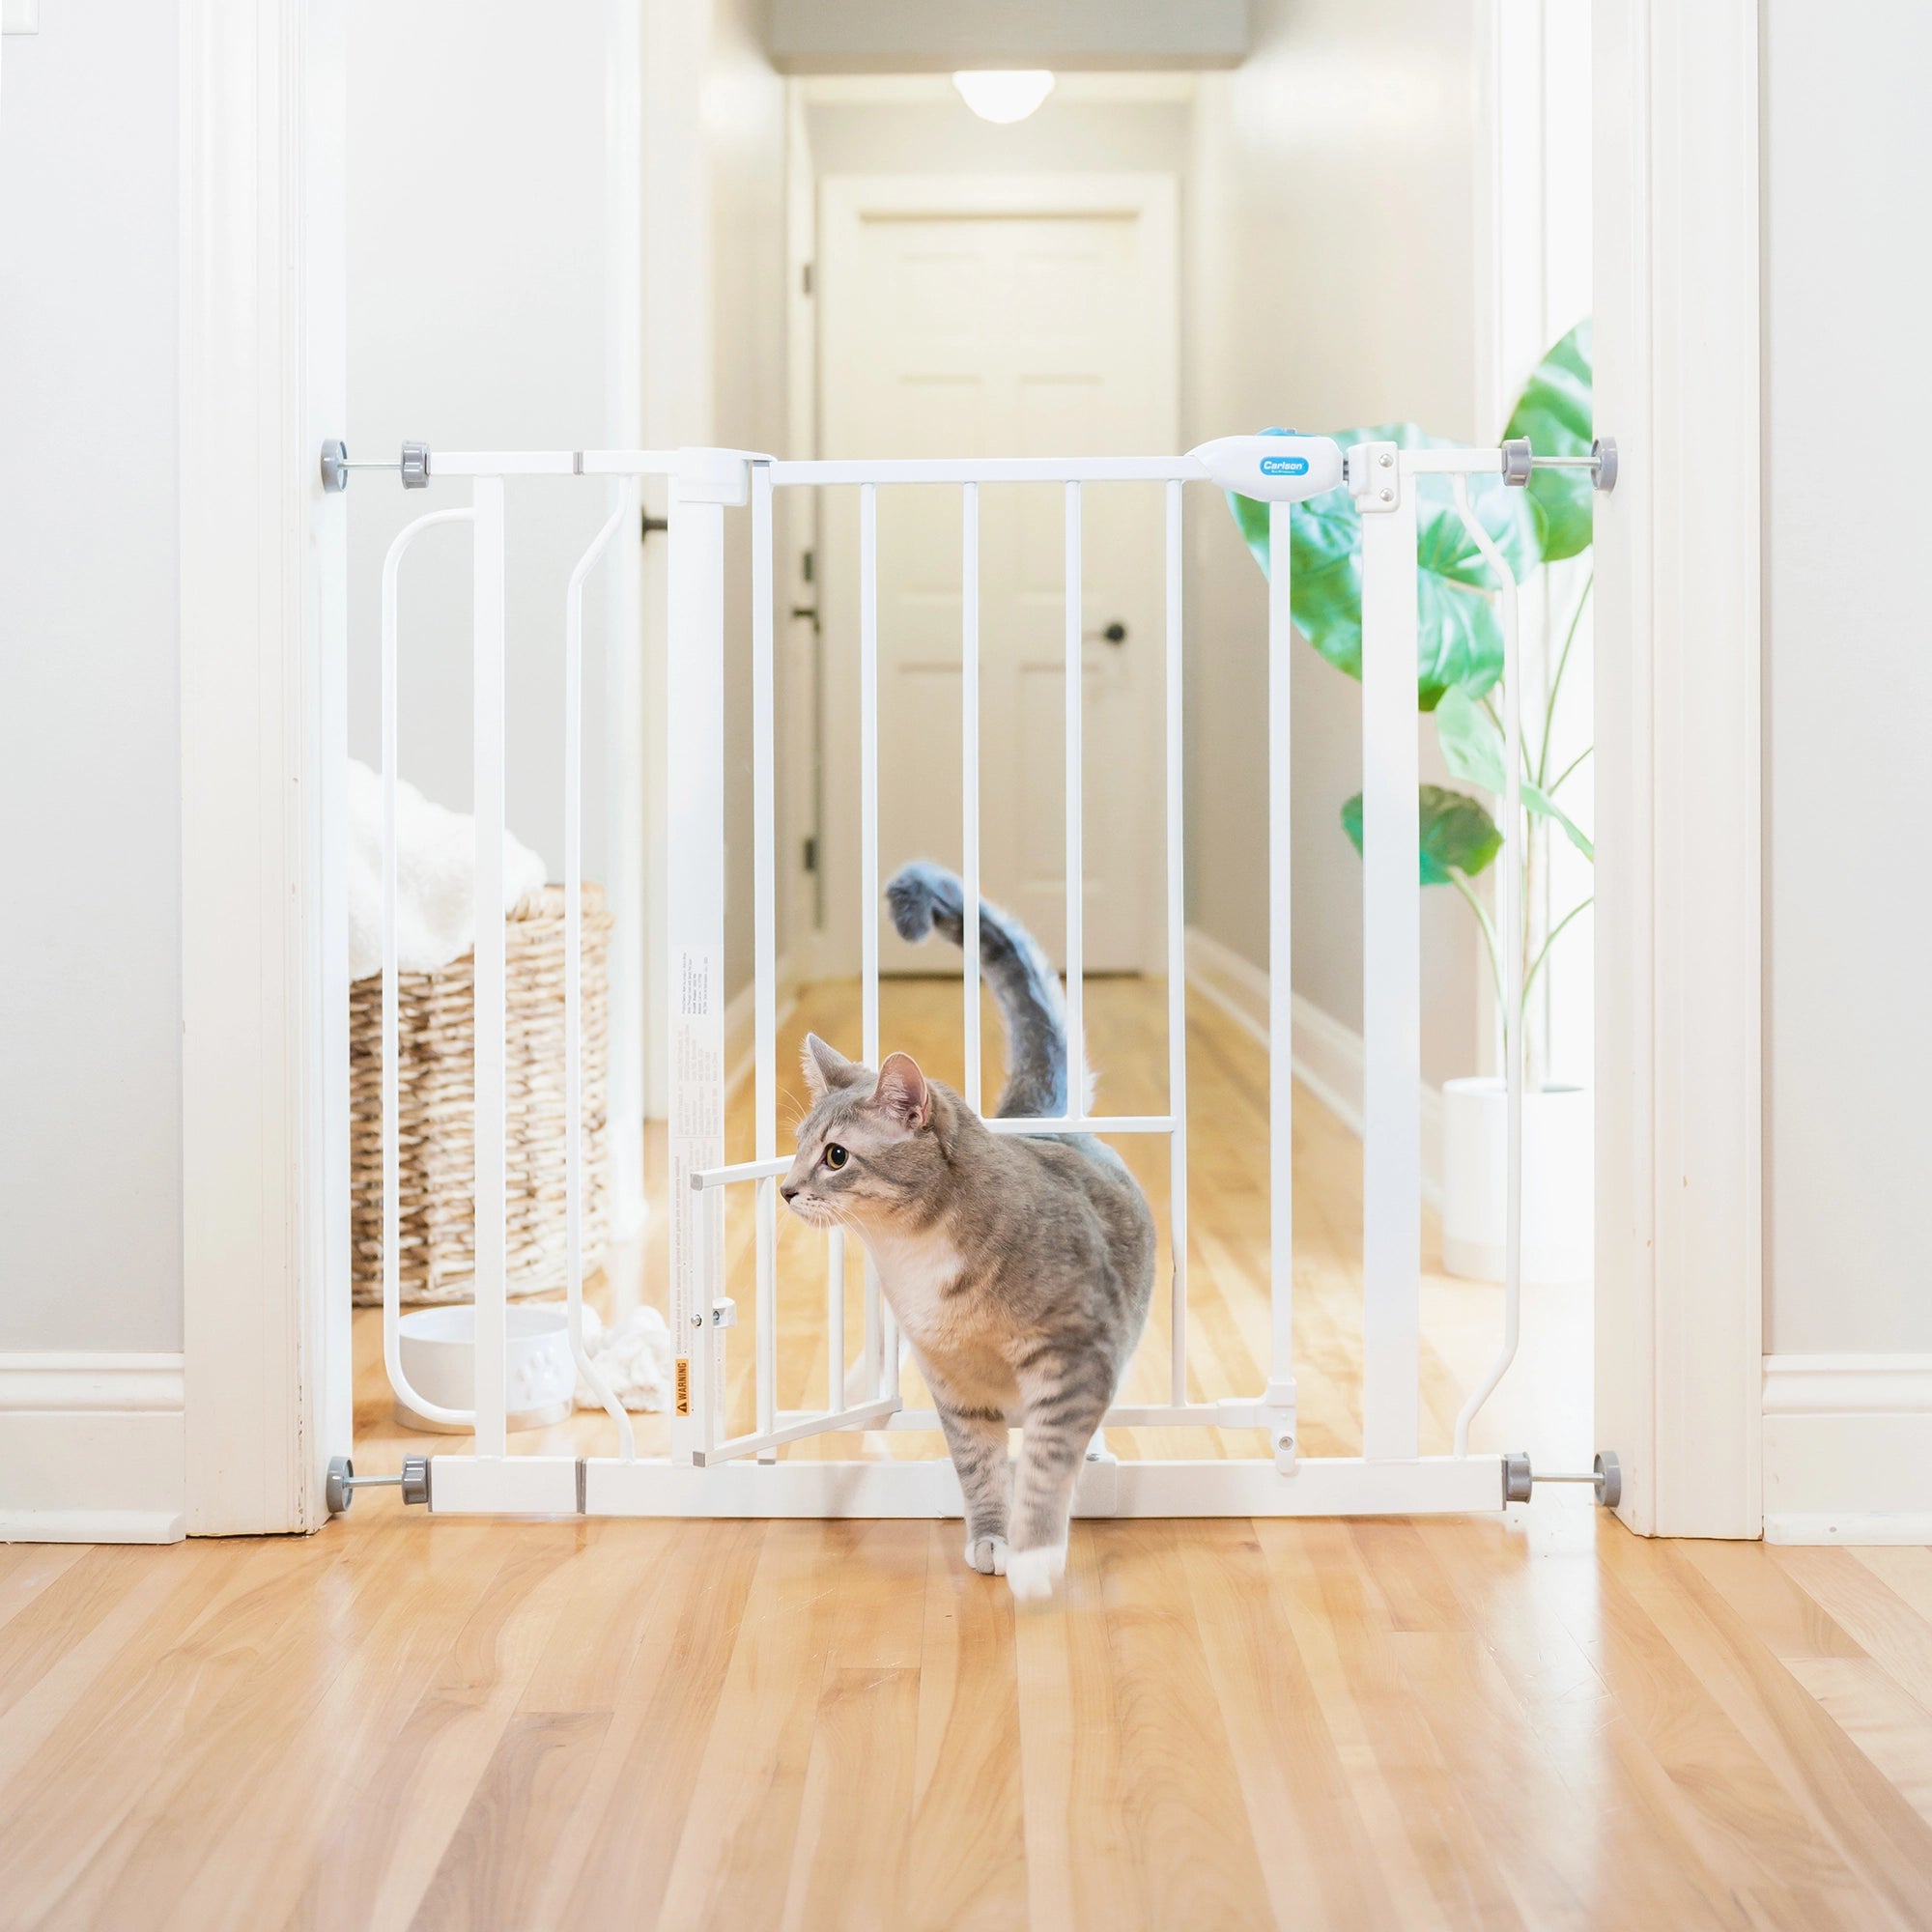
pixel 1558 1181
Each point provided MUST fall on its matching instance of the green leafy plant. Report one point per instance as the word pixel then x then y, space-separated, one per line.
pixel 1460 650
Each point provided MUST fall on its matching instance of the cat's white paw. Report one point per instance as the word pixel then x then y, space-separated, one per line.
pixel 988 1554
pixel 1031 1574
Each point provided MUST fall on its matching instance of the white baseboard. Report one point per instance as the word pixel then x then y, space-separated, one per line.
pixel 741 1022
pixel 1326 1054
pixel 1848 1448
pixel 93 1448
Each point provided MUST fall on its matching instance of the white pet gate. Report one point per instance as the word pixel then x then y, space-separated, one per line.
pixel 708 1473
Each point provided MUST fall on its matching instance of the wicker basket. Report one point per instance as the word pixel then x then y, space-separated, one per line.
pixel 436 1034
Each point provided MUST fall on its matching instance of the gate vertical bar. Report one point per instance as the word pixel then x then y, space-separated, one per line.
pixel 706 1392
pixel 764 945
pixel 1511 927
pixel 626 861
pixel 835 1318
pixel 572 968
pixel 1076 864
pixel 1391 958
pixel 1176 959
pixel 695 932
pixel 881 1340
pixel 487 677
pixel 969 770
pixel 392 1358
pixel 1281 1390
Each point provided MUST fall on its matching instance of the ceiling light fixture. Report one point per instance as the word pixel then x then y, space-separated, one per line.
pixel 1004 94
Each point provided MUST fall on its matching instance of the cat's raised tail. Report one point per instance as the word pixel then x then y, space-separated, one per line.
pixel 923 895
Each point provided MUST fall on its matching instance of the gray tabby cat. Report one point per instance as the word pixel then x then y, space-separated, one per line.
pixel 1020 1267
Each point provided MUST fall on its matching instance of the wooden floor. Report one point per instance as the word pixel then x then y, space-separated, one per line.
pixel 1539 1721
pixel 1533 1720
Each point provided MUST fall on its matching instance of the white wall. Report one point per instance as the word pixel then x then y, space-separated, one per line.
pixel 1333 283
pixel 90 746
pixel 1848 679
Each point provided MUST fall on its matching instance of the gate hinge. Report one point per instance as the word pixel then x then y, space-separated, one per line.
pixel 1374 477
pixel 721 477
pixel 1278 1407
pixel 1096 1487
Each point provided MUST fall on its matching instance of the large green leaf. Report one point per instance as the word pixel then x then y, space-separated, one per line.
pixel 1555 413
pixel 1458 646
pixel 1458 836
pixel 1459 643
pixel 1473 748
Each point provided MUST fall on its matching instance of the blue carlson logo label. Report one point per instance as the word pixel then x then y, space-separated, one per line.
pixel 1284 465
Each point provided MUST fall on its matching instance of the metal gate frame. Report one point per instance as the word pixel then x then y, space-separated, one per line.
pixel 707 1474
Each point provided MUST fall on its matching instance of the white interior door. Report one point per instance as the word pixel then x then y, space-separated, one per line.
pixel 1015 317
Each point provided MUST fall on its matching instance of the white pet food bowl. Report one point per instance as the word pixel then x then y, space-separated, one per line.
pixel 438 1351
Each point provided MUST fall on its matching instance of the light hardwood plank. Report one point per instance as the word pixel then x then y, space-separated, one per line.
pixel 1750 1611
pixel 1535 1720
pixel 1079 1859
pixel 1318 1858
pixel 1186 1819
pixel 1439 1863
pixel 1879 1622
pixel 629 1856
pixel 1531 1719
pixel 967 1859
pixel 1893 1730
pixel 26 1568
pixel 1721 1743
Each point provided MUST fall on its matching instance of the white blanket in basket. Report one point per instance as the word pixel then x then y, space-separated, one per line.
pixel 436 878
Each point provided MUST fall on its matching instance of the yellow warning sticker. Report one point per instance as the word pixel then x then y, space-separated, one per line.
pixel 683 1384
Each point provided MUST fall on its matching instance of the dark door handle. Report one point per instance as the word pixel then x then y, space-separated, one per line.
pixel 1115 633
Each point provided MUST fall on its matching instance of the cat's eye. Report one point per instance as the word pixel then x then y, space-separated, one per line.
pixel 834 1155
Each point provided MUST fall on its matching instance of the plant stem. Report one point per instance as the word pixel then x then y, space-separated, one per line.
pixel 1556 682
pixel 1543 954
pixel 1534 841
pixel 1476 906
pixel 1489 704
pixel 1551 790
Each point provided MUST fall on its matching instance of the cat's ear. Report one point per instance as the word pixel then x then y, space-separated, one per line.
pixel 902 1094
pixel 825 1067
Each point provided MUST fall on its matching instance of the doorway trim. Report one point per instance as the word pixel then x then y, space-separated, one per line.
pixel 1679 936
pixel 268 1383
pixel 1679 915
